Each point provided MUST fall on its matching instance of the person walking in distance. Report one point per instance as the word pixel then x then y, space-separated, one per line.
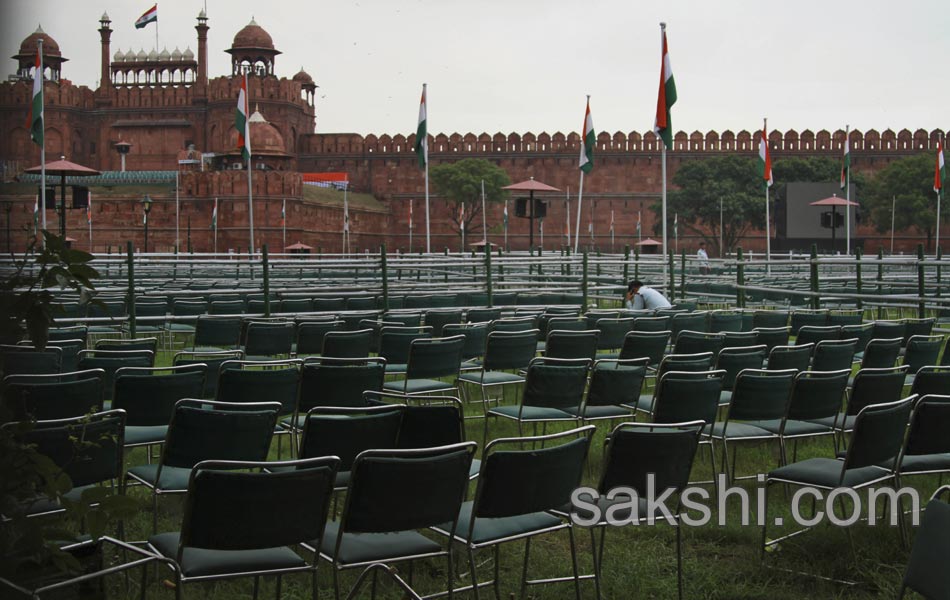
pixel 703 259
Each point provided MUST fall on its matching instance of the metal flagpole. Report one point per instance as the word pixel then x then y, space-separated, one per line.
pixel 611 231
pixel 177 213
pixel 215 225
pixel 847 195
pixel 484 215
pixel 721 249
pixel 410 225
pixel 893 215
pixel 283 221
pixel 425 149
pixel 676 233
pixel 567 214
pixel 541 229
pixel 346 219
pixel 939 193
pixel 39 49
pixel 768 225
pixel 89 219
pixel 580 196
pixel 247 142
pixel 639 229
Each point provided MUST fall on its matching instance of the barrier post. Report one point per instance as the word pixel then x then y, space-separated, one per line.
pixel 683 273
pixel 384 268
pixel 130 258
pixel 488 283
pixel 880 279
pixel 813 277
pixel 921 308
pixel 672 264
pixel 857 274
pixel 584 284
pixel 265 272
pixel 740 279
pixel 446 267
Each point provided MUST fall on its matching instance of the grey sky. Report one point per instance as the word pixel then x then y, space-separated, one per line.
pixel 519 66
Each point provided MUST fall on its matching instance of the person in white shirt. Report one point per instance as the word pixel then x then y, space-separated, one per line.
pixel 703 259
pixel 641 297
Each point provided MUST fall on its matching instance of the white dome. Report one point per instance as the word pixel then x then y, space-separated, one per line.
pixel 141 56
pixel 119 56
pixel 153 56
pixel 165 56
pixel 176 54
pixel 188 54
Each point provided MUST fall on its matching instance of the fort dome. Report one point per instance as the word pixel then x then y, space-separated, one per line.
pixel 303 77
pixel 253 36
pixel 50 47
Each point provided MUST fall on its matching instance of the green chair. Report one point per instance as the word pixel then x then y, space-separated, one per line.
pixel 845 317
pixel 296 305
pixel 552 386
pixel 889 329
pixel 348 344
pixel 932 380
pixel 241 521
pixel 810 318
pixel 809 334
pixel 926 571
pixel 432 368
pixel 594 316
pixel 395 344
pixel 559 323
pixel 53 396
pixel 914 327
pixel 516 494
pixel 735 360
pixel 693 342
pixel 351 320
pixel 721 321
pixel 758 396
pixel 481 315
pixel 249 382
pixel 816 396
pixel 216 333
pixel 183 318
pixel 337 382
pixel 614 385
pixel 702 361
pixel 87 449
pixel 111 361
pixel 769 319
pixel 476 337
pixel 227 307
pixel 149 344
pixel 772 337
pixel 149 319
pixel 148 396
pixel 105 317
pixel 27 360
pixel 361 303
pixel 694 321
pixel 212 361
pixel 790 357
pixel 612 334
pixel 651 324
pixel 266 341
pixel 70 351
pixel 392 495
pixel 878 437
pixel 864 333
pixel 741 339
pixel 506 354
pixel 640 457
pixel 833 355
pixel 75 332
pixel 927 450
pixel 437 319
pixel 404 319
pixel 880 354
pixel 572 344
pixel 333 305
pixel 528 323
pixel 202 430
pixel 645 344
pixel 921 351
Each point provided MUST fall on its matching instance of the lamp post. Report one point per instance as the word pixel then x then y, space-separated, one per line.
pixel 147 207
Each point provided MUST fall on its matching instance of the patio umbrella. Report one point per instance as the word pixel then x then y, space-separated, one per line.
pixel 63 168
pixel 834 202
pixel 649 245
pixel 299 248
pixel 531 186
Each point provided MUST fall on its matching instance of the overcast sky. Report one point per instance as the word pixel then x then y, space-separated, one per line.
pixel 519 66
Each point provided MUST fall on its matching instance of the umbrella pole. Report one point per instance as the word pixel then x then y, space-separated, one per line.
pixel 62 207
pixel 834 226
pixel 531 220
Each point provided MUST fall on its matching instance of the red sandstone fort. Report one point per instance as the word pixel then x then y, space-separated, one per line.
pixel 163 107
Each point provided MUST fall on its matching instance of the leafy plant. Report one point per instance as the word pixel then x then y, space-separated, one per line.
pixel 461 182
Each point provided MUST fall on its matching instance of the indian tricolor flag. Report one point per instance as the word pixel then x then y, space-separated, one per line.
pixel 845 161
pixel 765 159
pixel 422 142
pixel 283 213
pixel 35 120
pixel 214 216
pixel 586 162
pixel 241 122
pixel 462 217
pixel 504 215
pixel 150 16
pixel 940 172
pixel 666 97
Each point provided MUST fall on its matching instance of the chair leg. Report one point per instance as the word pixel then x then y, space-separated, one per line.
pixel 448 574
pixel 471 567
pixel 496 567
pixel 765 522
pixel 594 556
pixel 679 559
pixel 257 585
pixel 524 568
pixel 278 587
pixel 577 578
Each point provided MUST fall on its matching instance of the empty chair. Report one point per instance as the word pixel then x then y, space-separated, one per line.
pixel 226 307
pixel 394 345
pixel 248 381
pixel 267 340
pixel 881 354
pixel 211 360
pixel 926 571
pixel 351 320
pixel 310 335
pixel 404 319
pixel 138 344
pixel 361 303
pixel 52 396
pixel 112 360
pixel 692 342
pixel 914 327
pixel 845 317
pixel 437 319
pixel 660 323
pixel 694 321
pixel 833 355
pixel 614 385
pixel 149 318
pixel 648 344
pixel 740 339
pixel 722 321
pixel 922 351
pixel 572 344
pixel 811 318
pixel 148 397
pixel 514 324
pixel 432 368
pixel 296 305
pixel 27 360
pixel 933 380
pixel 769 319
pixel 70 352
pixel 74 332
pixel 772 337
pixel 735 360
pixel 476 336
pixel 871 386
pixel 612 334
pixel 183 318
pixel 809 334
pixel 790 357
pixel 217 333
pixel 863 333
pixel 480 315
pixel 338 382
pixel 506 354
pixel 927 449
pixel 348 344
pixel 328 304
pixel 889 329
pixel 593 317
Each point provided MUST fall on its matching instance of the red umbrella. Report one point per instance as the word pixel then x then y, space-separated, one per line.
pixel 298 246
pixel 649 242
pixel 834 202
pixel 531 186
pixel 63 168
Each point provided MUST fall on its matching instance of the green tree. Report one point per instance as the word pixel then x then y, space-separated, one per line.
pixel 730 181
pixel 909 183
pixel 461 182
pixel 811 169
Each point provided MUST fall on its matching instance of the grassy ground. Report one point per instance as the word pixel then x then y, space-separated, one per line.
pixel 719 561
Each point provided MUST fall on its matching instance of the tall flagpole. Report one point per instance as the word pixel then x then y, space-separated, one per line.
pixel 484 215
pixel 89 219
pixel 577 230
pixel 410 225
pixel 425 146
pixel 177 212
pixel 939 193
pixel 38 72
pixel 247 142
pixel 847 195
pixel 768 225
pixel 663 150
pixel 346 219
pixel 216 226
pixel 283 222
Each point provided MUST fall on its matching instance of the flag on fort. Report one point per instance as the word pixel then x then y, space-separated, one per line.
pixel 638 222
pixel 410 214
pixel 283 213
pixel 89 209
pixel 940 172
pixel 36 214
pixel 35 121
pixel 611 222
pixel 765 159
pixel 504 215
pixel 214 216
pixel 241 122
pixel 462 217
pixel 845 162
pixel 666 97
pixel 422 142
pixel 150 16
pixel 586 162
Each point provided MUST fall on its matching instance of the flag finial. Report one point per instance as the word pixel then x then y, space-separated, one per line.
pixel 663 25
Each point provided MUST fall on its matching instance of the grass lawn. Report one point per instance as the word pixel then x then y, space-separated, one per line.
pixel 719 561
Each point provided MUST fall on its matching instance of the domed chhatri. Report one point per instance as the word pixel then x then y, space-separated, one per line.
pixel 253 51
pixel 303 77
pixel 26 57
